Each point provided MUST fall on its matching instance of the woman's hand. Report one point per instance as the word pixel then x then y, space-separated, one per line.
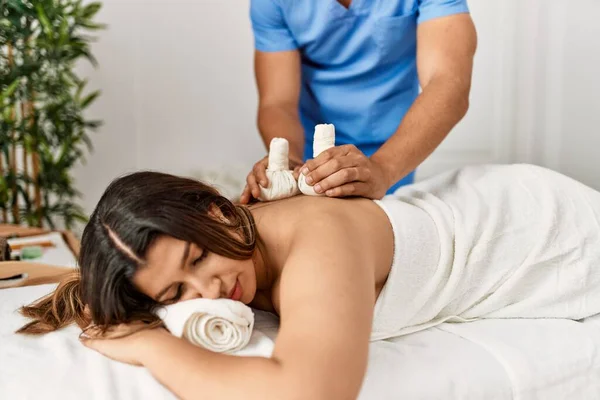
pixel 125 343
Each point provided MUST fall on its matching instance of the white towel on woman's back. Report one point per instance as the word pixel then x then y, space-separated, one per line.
pixel 492 241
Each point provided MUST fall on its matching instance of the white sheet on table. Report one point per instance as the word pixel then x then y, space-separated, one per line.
pixel 560 359
pixel 57 366
pixel 555 359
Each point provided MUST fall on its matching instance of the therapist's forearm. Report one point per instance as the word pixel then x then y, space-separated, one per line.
pixel 284 122
pixel 440 106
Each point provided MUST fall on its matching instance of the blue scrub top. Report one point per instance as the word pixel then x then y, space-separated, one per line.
pixel 359 69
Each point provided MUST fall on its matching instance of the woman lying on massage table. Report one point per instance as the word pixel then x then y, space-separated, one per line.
pixel 480 242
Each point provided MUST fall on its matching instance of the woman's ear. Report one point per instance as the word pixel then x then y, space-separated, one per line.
pixel 216 213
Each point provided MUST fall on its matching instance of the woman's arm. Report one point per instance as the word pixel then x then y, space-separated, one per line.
pixel 327 298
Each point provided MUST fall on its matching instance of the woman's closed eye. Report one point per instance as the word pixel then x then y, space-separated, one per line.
pixel 200 259
pixel 177 296
pixel 180 287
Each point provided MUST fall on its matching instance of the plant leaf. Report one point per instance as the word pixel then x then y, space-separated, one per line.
pixel 47 26
pixel 91 10
pixel 80 87
pixel 89 99
pixel 64 32
pixel 92 26
pixel 9 91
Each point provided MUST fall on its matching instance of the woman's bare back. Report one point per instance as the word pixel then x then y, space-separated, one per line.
pixel 280 222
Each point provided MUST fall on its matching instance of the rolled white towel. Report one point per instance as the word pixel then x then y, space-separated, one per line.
pixel 221 325
pixel 323 139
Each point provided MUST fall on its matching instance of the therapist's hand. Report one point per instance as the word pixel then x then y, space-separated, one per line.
pixel 345 171
pixel 258 176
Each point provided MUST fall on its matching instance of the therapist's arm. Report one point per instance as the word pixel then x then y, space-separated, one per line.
pixel 445 50
pixel 278 80
pixel 278 76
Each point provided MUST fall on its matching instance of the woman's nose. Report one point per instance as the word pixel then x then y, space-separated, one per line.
pixel 204 288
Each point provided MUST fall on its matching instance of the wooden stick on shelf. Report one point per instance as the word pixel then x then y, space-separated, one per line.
pixel 4 214
pixel 12 165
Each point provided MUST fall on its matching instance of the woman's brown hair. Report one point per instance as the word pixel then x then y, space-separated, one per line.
pixel 133 211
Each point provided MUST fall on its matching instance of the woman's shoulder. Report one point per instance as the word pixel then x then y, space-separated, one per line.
pixel 305 211
pixel 305 208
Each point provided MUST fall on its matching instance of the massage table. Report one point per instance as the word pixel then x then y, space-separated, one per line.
pixel 490 359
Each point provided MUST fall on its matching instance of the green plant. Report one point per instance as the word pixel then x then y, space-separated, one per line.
pixel 43 132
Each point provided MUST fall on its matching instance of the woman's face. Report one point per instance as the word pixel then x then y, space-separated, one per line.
pixel 178 270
